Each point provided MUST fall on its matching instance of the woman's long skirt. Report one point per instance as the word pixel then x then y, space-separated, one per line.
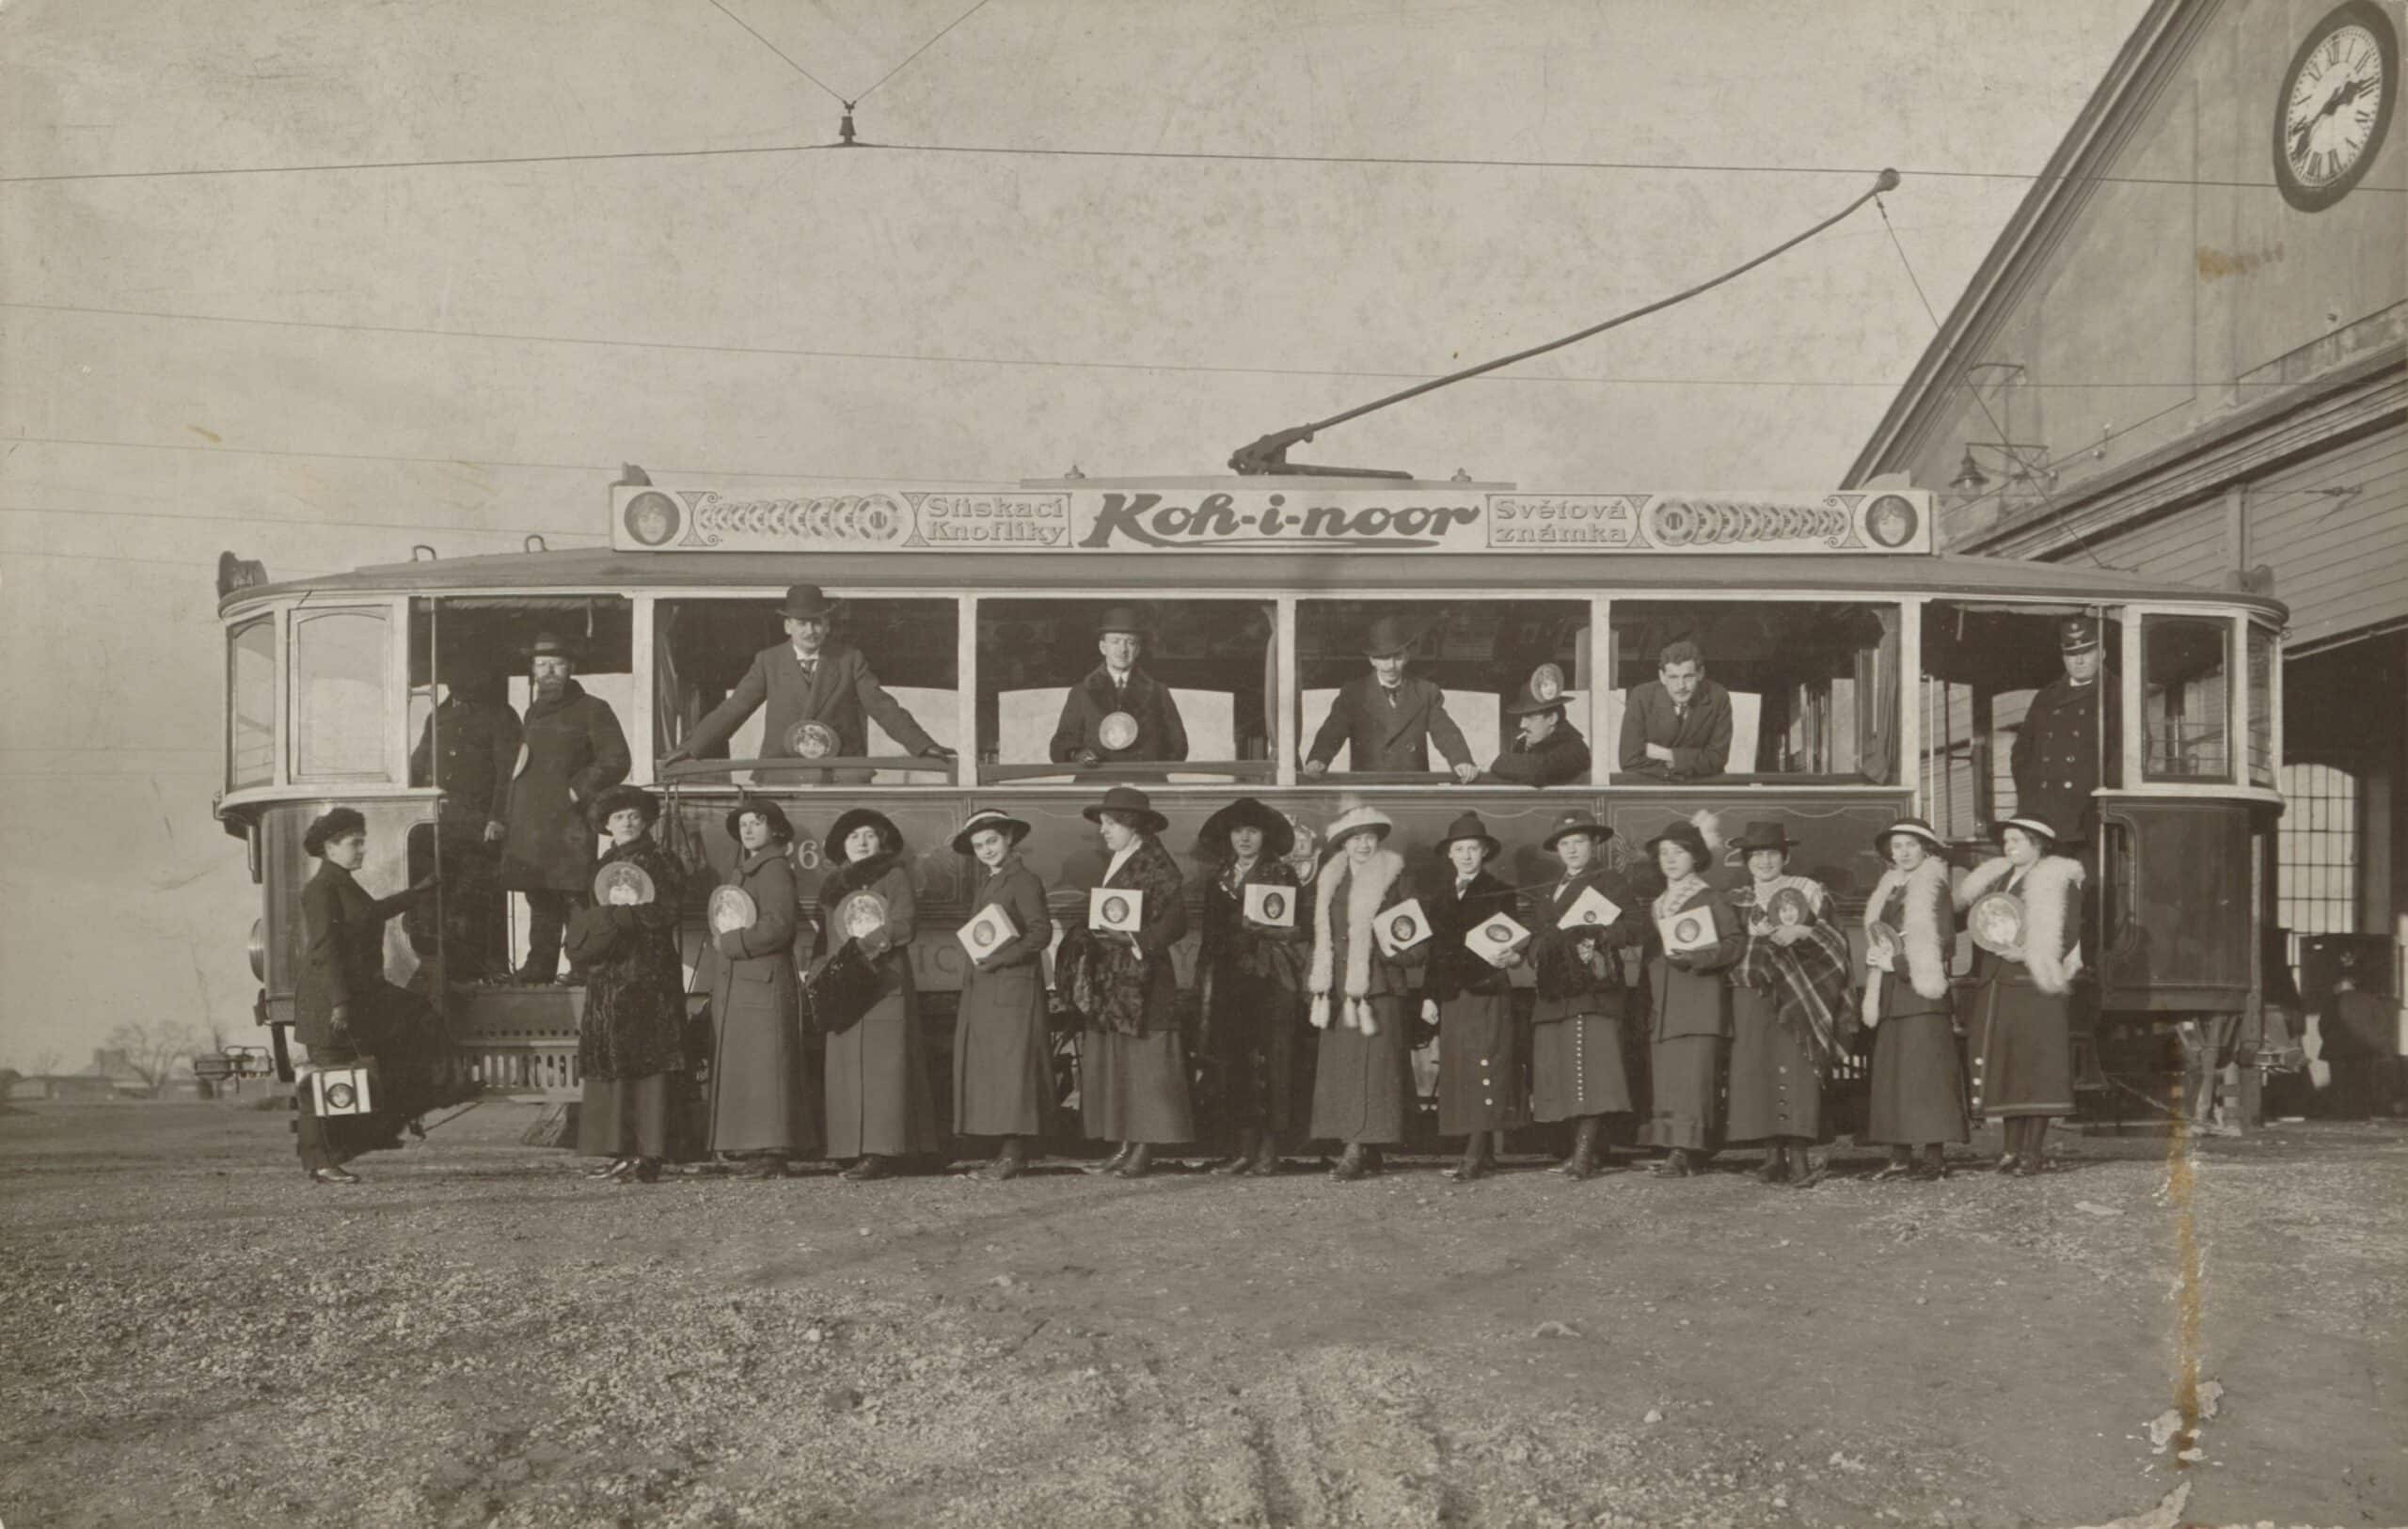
pixel 759 1101
pixel 1002 1067
pixel 2027 1052
pixel 1263 1051
pixel 1133 1088
pixel 1776 1092
pixel 1687 1077
pixel 1576 1069
pixel 1918 1087
pixel 625 1117
pixel 1480 1079
pixel 1361 1082
pixel 877 1085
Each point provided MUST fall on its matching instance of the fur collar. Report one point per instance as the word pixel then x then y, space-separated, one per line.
pixel 1366 894
pixel 1926 925
pixel 2048 892
pixel 1098 686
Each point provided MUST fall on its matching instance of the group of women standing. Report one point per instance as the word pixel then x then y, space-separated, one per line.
pixel 1306 1011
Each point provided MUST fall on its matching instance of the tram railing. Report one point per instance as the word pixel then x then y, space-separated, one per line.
pixel 1152 771
pixel 703 770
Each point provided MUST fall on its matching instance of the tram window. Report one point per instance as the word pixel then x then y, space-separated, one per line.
pixel 1197 705
pixel 703 650
pixel 1982 664
pixel 2186 683
pixel 338 717
pixel 2261 706
pixel 482 644
pixel 1480 653
pixel 1812 689
pixel 251 715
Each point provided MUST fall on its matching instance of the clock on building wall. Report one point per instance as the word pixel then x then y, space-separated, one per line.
pixel 2336 103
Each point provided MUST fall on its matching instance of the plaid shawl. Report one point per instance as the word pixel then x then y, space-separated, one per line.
pixel 1808 979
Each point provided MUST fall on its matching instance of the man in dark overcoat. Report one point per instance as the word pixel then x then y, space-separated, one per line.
pixel 468 750
pixel 1388 719
pixel 811 678
pixel 1677 726
pixel 2056 751
pixel 1119 693
pixel 1548 750
pixel 572 752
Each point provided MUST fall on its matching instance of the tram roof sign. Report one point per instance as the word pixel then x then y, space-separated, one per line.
pixel 1268 514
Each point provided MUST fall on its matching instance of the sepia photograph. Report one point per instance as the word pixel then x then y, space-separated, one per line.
pixel 1301 764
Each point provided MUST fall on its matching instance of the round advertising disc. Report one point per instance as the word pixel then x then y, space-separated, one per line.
pixel 1118 730
pixel 732 907
pixel 1996 920
pixel 811 740
pixel 622 883
pixel 862 914
pixel 1789 905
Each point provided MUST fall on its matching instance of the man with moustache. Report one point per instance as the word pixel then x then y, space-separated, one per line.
pixel 573 751
pixel 1387 720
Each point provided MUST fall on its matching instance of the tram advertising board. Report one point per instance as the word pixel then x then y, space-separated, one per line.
pixel 1275 517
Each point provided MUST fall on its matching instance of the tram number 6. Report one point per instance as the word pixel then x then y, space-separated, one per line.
pixel 806 854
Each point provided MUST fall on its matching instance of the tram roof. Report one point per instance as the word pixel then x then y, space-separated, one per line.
pixel 1336 573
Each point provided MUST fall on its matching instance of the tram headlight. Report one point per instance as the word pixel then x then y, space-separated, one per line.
pixel 259 948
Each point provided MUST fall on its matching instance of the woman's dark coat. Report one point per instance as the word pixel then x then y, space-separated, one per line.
pixel 1108 983
pixel 345 963
pixel 574 751
pixel 1001 1066
pixel 877 1096
pixel 1570 982
pixel 635 986
pixel 758 1101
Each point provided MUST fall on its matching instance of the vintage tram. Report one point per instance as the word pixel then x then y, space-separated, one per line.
pixel 1869 677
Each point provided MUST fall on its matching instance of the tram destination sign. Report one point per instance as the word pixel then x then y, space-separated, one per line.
pixel 1270 518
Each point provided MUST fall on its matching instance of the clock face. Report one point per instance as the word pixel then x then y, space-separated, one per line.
pixel 2336 103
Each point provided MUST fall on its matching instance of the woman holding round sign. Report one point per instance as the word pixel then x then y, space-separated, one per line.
pixel 1002 1070
pixel 1789 994
pixel 877 1076
pixel 760 1108
pixel 1251 968
pixel 1468 993
pixel 1698 938
pixel 1116 967
pixel 1918 1086
pixel 1365 940
pixel 1583 922
pixel 631 1039
pixel 2024 909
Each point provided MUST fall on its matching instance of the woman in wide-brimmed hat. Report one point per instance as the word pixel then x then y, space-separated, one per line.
pixel 2025 997
pixel 1789 997
pixel 1132 1060
pixel 760 1103
pixel 1578 1071
pixel 1692 1018
pixel 1002 1070
pixel 1470 999
pixel 877 1093
pixel 1363 1069
pixel 1252 976
pixel 1917 1096
pixel 631 1040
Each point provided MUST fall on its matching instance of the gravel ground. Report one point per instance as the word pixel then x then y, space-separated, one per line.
pixel 193 1334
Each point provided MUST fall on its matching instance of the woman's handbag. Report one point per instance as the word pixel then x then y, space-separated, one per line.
pixel 841 991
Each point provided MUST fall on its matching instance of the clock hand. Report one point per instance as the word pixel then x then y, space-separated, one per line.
pixel 2342 97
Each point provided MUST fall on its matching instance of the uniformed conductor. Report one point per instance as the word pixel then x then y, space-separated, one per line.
pixel 2056 753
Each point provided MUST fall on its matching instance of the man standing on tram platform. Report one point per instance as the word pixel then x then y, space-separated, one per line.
pixel 818 692
pixel 1677 726
pixel 1388 719
pixel 2056 751
pixel 573 751
pixel 468 750
pixel 1120 713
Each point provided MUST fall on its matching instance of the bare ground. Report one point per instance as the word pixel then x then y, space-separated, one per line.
pixel 191 1334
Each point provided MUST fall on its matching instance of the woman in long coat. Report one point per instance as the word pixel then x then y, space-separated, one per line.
pixel 760 1106
pixel 878 1107
pixel 1692 1020
pixel 1253 979
pixel 345 1011
pixel 631 1042
pixel 1787 995
pixel 1918 1085
pixel 1577 1068
pixel 2026 998
pixel 1132 1060
pixel 1470 999
pixel 1003 1068
pixel 1363 1076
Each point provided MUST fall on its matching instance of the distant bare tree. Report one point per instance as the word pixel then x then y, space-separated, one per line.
pixel 153 1049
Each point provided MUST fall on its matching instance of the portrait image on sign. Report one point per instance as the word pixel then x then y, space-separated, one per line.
pixel 987 932
pixel 1788 906
pixel 1684 932
pixel 862 914
pixel 1996 923
pixel 1118 909
pixel 1271 905
pixel 1590 909
pixel 811 740
pixel 622 884
pixel 1118 730
pixel 1401 927
pixel 732 909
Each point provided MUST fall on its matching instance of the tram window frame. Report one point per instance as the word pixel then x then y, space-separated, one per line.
pixel 361 730
pixel 599 623
pixel 266 709
pixel 2264 658
pixel 1015 646
pixel 2160 631
pixel 673 721
pixel 1639 628
pixel 1985 660
pixel 1446 632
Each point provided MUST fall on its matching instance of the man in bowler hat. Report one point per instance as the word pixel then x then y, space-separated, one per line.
pixel 1388 719
pixel 573 751
pixel 1118 688
pixel 2056 752
pixel 811 678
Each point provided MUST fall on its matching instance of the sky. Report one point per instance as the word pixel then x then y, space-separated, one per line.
pixel 318 280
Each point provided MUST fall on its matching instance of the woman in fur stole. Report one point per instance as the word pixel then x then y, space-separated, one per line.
pixel 1692 1020
pixel 1470 999
pixel 2026 998
pixel 1132 1060
pixel 1363 1074
pixel 1787 995
pixel 1918 1086
pixel 1577 1015
pixel 1253 978
pixel 878 1107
